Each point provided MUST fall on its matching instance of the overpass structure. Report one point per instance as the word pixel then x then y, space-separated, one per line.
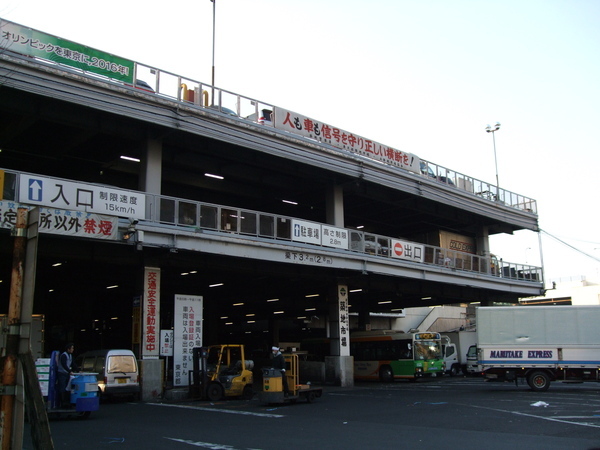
pixel 156 191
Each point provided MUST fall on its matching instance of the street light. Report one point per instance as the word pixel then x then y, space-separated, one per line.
pixel 214 2
pixel 493 130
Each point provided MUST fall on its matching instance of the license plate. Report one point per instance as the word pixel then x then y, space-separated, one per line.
pixel 122 380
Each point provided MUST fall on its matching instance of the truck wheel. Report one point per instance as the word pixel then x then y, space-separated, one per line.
pixel 454 370
pixel 385 374
pixel 310 397
pixel 214 392
pixel 538 381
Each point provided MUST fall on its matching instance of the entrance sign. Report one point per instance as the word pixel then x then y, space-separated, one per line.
pixel 62 194
pixel 186 336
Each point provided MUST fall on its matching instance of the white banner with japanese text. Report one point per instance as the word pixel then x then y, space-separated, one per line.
pixel 344 320
pixel 407 250
pixel 315 233
pixel 187 335
pixel 64 222
pixel 322 132
pixel 62 194
pixel 151 314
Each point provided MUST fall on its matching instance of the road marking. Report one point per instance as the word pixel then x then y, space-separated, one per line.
pixel 226 411
pixel 208 445
pixel 551 419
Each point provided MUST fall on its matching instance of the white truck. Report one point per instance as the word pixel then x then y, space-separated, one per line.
pixel 540 344
pixel 455 346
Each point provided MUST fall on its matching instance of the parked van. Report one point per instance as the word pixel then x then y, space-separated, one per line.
pixel 117 371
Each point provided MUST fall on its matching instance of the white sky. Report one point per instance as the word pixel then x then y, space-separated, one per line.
pixel 423 76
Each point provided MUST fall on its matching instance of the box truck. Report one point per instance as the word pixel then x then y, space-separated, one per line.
pixel 540 344
pixel 455 346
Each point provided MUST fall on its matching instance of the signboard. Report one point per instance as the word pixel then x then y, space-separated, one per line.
pixel 67 223
pixel 314 233
pixel 151 313
pixel 29 42
pixel 42 367
pixel 407 250
pixel 61 194
pixel 322 132
pixel 186 336
pixel 344 320
pixel 166 342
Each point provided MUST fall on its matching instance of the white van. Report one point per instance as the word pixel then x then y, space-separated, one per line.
pixel 117 371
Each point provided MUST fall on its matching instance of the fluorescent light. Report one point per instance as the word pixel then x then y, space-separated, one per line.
pixel 290 202
pixel 360 227
pixel 356 290
pixel 310 309
pixel 311 295
pixel 238 304
pixel 251 321
pixel 57 264
pixel 273 300
pixel 212 175
pixel 112 287
pixel 425 298
pixel 278 312
pixel 383 303
pixel 225 317
pixel 228 323
pixel 250 315
pixel 215 285
pixel 130 158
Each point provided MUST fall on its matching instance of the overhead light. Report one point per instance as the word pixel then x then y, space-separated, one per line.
pixel 251 321
pixel 215 285
pixel 278 312
pixel 224 317
pixel 385 302
pixel 212 175
pixel 228 323
pixel 360 227
pixel 310 309
pixel 311 295
pixel 273 300
pixel 184 273
pixel 57 264
pixel 130 158
pixel 193 271
pixel 356 290
pixel 250 315
pixel 238 304
pixel 112 287
pixel 425 298
pixel 290 202
pixel 301 317
pixel 114 318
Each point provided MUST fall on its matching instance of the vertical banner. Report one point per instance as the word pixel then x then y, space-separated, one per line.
pixel 344 320
pixel 151 314
pixel 187 335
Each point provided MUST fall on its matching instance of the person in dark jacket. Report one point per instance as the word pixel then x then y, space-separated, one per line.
pixel 66 367
pixel 279 363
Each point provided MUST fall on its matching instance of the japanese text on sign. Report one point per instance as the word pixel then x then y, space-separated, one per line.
pixel 407 250
pixel 63 194
pixel 187 335
pixel 315 233
pixel 68 223
pixel 30 42
pixel 322 132
pixel 151 313
pixel 344 320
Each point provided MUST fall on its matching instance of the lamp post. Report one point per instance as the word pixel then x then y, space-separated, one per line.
pixel 214 2
pixel 493 130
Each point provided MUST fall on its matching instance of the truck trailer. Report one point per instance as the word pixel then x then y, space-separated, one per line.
pixel 540 344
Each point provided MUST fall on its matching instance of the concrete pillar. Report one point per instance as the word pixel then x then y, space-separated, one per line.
pixel 152 376
pixel 334 205
pixel 151 169
pixel 339 367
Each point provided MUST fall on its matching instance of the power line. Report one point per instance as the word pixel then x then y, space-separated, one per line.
pixel 570 246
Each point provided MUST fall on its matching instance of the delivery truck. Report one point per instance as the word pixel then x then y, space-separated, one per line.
pixel 455 346
pixel 539 344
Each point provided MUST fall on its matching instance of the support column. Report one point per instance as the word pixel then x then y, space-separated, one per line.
pixel 340 366
pixel 334 205
pixel 151 170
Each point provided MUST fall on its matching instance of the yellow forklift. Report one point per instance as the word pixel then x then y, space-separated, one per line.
pixel 223 371
pixel 272 388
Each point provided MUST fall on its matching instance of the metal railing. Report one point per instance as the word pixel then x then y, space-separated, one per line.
pixel 198 216
pixel 203 96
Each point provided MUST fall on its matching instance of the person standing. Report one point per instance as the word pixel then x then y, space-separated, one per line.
pixel 66 367
pixel 279 363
